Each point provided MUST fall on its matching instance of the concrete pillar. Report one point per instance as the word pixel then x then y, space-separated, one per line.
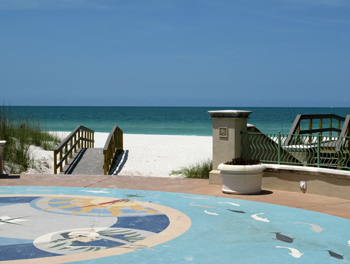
pixel 2 145
pixel 227 127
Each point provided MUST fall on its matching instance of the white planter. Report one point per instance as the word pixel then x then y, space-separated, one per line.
pixel 241 179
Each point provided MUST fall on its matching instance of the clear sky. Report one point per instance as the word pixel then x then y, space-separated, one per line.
pixel 175 53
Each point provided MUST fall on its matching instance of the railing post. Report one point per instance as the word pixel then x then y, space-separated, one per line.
pixel 318 149
pixel 116 137
pixel 71 144
pixel 279 148
pixel 310 128
pixel 105 164
pixel 93 140
pixel 61 166
pixel 2 145
pixel 75 141
pixel 121 139
pixel 54 162
pixel 66 150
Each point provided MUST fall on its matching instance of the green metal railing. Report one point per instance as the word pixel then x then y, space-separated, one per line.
pixel 298 149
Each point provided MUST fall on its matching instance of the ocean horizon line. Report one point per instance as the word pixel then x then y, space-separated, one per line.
pixel 158 120
pixel 127 106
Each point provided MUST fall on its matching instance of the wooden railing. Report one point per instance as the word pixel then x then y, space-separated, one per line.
pixel 345 133
pixel 346 127
pixel 112 148
pixel 81 137
pixel 320 129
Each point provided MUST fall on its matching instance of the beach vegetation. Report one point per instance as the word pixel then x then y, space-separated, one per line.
pixel 200 170
pixel 20 134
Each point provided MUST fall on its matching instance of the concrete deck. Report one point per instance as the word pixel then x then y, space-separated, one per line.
pixel 188 196
pixel 327 205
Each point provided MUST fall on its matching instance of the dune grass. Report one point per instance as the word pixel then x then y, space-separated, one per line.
pixel 19 135
pixel 199 170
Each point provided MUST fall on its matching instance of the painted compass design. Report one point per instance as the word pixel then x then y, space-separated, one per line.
pixel 58 226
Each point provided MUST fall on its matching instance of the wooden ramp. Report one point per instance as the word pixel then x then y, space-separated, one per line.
pixel 76 153
pixel 87 161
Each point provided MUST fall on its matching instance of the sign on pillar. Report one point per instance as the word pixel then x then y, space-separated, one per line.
pixel 227 127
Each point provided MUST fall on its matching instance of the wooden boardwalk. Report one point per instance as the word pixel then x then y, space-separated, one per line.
pixel 87 161
pixel 76 153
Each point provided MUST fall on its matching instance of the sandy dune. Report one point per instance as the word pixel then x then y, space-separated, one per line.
pixel 144 155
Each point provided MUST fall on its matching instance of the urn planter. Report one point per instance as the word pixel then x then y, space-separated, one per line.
pixel 241 179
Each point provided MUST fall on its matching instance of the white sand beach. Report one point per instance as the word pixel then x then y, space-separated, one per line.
pixel 144 155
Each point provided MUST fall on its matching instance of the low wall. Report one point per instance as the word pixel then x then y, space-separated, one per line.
pixel 319 181
pixel 325 182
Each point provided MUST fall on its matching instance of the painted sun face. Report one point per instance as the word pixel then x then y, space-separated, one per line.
pixel 85 205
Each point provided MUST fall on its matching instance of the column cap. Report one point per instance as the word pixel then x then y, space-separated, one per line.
pixel 229 114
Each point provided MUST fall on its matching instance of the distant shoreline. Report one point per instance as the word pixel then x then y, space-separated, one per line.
pixel 161 120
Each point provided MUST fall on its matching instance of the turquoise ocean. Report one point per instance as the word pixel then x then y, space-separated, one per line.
pixel 160 120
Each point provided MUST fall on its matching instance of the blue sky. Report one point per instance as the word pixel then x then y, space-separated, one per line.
pixel 175 53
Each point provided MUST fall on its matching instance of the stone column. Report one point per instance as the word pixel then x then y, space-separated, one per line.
pixel 2 145
pixel 227 127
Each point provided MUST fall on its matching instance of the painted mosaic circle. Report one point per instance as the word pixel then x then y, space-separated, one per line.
pixel 57 226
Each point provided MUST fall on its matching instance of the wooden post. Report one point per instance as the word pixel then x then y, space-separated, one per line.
pixel 120 139
pixel 2 146
pixel 114 145
pixel 71 144
pixel 66 149
pixel 115 136
pixel 330 126
pixel 105 164
pixel 321 128
pixel 75 141
pixel 310 128
pixel 54 162
pixel 61 166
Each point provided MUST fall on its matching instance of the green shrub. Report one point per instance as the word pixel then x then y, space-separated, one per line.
pixel 19 135
pixel 200 170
